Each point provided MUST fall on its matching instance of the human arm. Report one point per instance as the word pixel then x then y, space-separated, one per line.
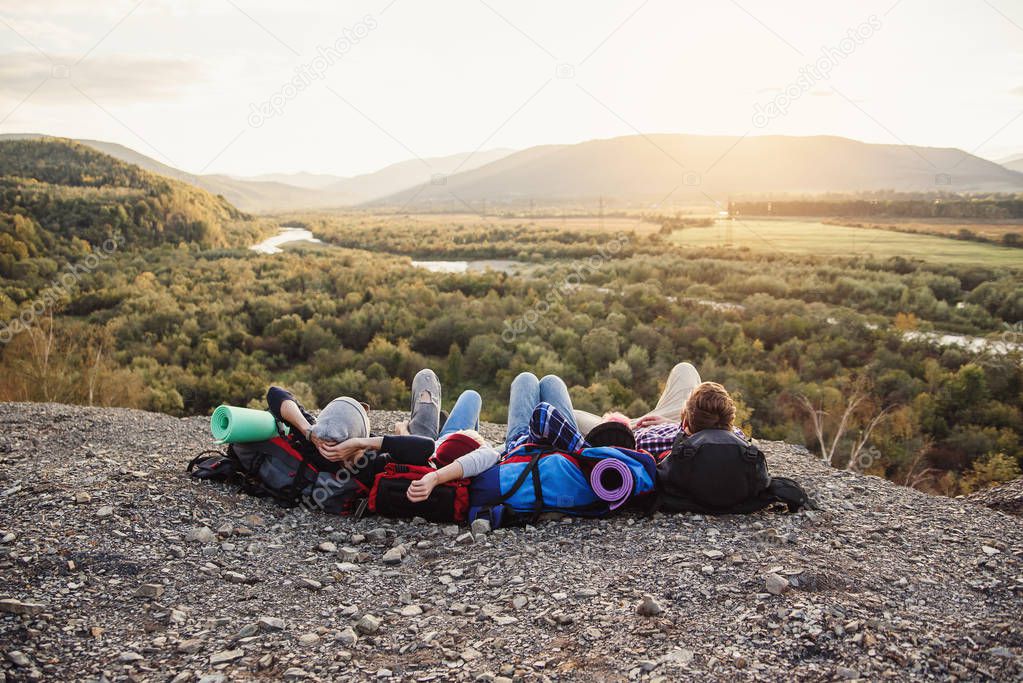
pixel 408 450
pixel 292 414
pixel 650 421
pixel 283 405
pixel 466 467
pixel 285 408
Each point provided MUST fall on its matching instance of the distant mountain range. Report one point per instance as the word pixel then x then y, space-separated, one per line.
pixel 637 171
pixel 308 181
pixel 643 169
pixel 1013 163
pixel 387 180
pixel 292 192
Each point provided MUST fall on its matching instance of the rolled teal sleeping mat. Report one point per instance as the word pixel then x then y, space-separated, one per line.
pixel 230 424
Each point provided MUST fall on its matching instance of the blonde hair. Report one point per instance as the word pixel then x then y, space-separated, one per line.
pixel 474 435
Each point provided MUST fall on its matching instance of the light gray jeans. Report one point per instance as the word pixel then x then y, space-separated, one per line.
pixel 425 420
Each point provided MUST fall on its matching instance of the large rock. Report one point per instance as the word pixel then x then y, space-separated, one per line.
pixel 13 606
pixel 202 534
pixel 775 584
pixel 368 624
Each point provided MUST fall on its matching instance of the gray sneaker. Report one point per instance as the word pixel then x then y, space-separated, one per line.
pixel 426 399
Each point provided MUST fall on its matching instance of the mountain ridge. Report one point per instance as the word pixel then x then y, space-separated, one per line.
pixel 1013 163
pixel 639 169
pixel 633 170
pixel 270 194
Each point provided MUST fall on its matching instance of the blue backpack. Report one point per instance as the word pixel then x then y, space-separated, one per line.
pixel 533 479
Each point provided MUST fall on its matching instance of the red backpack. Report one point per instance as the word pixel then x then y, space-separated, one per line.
pixel 447 502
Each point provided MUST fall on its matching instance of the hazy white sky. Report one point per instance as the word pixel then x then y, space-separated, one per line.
pixel 209 85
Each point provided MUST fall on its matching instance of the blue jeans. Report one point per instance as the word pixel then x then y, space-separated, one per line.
pixel 526 393
pixel 465 414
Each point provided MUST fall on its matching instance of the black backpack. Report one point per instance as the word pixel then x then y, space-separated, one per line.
pixel 717 472
pixel 213 466
pixel 289 471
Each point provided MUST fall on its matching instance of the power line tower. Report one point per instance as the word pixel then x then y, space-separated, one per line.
pixel 729 224
pixel 601 213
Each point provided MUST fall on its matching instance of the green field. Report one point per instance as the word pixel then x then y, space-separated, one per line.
pixel 812 237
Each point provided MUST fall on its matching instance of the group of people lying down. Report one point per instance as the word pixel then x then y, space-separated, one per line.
pixel 539 412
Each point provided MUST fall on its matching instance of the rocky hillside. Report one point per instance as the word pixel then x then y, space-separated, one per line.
pixel 116 567
pixel 1007 497
pixel 69 191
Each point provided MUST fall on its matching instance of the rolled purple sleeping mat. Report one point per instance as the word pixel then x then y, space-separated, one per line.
pixel 612 481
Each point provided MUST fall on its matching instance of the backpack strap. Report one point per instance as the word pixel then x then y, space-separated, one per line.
pixel 195 461
pixel 521 479
pixel 537 490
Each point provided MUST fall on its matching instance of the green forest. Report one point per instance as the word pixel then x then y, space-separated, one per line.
pixel 184 317
pixel 60 200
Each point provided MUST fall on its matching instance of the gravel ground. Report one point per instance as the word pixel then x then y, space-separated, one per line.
pixel 115 566
pixel 1007 497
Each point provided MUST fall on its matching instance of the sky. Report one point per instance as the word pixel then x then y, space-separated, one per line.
pixel 257 86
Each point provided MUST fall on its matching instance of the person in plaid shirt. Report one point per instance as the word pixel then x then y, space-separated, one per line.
pixel 657 430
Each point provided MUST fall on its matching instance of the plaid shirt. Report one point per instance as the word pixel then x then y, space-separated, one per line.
pixel 657 439
pixel 548 426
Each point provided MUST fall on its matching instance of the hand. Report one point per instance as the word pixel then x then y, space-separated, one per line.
pixel 421 489
pixel 649 421
pixel 401 428
pixel 347 451
pixel 322 445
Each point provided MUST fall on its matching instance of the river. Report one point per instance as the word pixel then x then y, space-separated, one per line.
pixel 273 245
